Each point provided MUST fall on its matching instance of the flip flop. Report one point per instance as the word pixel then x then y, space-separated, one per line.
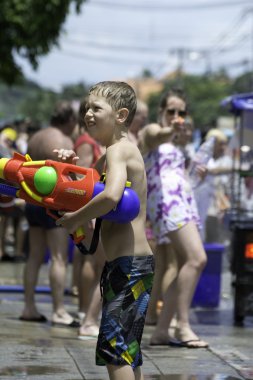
pixel 188 343
pixel 40 319
pixel 73 324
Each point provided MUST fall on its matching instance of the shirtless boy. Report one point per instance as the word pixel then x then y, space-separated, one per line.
pixel 128 273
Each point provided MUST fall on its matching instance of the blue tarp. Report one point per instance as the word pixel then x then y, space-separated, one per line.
pixel 238 103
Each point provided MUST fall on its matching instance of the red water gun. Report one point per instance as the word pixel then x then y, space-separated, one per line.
pixel 59 186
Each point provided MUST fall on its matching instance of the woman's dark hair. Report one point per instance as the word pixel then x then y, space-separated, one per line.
pixel 82 112
pixel 178 92
pixel 63 113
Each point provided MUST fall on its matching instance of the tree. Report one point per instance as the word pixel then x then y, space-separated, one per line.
pixel 29 29
pixel 243 83
pixel 39 105
pixel 74 91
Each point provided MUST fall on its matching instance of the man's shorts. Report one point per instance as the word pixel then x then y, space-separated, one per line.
pixel 37 217
pixel 126 284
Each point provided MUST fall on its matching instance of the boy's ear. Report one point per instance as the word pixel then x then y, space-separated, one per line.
pixel 122 115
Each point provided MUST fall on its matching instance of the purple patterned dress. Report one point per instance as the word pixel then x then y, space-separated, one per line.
pixel 170 203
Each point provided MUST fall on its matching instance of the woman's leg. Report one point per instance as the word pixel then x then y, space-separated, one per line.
pixel 165 273
pixel 192 260
pixel 168 311
pixel 156 294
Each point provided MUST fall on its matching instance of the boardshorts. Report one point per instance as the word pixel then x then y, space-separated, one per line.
pixel 37 217
pixel 126 284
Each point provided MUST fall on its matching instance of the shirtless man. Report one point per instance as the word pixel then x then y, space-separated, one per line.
pixel 43 231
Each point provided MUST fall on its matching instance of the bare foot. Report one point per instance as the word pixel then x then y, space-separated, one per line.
pixel 173 323
pixel 88 331
pixel 63 318
pixel 31 314
pixel 159 339
pixel 185 337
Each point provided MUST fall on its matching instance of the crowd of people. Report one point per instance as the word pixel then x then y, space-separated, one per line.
pixel 157 258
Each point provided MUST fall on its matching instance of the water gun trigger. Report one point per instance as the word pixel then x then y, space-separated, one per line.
pixel 78 235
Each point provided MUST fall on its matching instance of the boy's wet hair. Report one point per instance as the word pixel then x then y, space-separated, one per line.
pixel 118 95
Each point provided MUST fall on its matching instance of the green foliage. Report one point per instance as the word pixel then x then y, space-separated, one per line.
pixel 243 83
pixel 39 105
pixel 77 91
pixel 147 74
pixel 35 102
pixel 205 94
pixel 29 29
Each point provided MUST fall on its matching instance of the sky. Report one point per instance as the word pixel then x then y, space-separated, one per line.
pixel 118 39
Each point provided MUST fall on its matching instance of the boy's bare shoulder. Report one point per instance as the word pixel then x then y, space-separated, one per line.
pixel 123 149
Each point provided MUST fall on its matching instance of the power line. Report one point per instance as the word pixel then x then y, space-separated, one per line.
pixel 100 57
pixel 229 33
pixel 163 50
pixel 162 7
pixel 105 45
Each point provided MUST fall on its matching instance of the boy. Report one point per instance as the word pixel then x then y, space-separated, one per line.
pixel 128 274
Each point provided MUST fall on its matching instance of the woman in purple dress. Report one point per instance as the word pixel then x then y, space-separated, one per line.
pixel 174 218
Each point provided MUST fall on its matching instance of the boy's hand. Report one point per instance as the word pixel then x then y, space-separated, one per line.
pixel 66 155
pixel 69 220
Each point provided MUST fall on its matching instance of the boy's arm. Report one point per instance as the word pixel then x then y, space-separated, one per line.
pixel 116 177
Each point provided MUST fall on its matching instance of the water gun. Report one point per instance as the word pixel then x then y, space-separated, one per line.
pixel 59 186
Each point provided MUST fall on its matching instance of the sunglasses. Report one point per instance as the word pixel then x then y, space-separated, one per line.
pixel 172 112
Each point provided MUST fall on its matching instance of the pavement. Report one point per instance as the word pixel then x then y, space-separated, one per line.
pixel 44 352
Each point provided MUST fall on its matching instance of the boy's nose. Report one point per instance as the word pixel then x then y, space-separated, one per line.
pixel 88 114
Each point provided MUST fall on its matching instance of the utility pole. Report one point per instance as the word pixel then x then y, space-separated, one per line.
pixel 180 53
pixel 184 53
pixel 250 11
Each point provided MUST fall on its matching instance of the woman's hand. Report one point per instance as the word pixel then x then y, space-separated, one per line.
pixel 202 171
pixel 179 128
pixel 66 155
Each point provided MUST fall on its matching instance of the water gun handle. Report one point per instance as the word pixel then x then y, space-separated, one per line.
pixel 77 236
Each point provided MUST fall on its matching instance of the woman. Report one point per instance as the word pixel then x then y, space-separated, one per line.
pixel 174 219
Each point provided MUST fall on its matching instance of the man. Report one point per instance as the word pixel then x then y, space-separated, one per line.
pixel 43 232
